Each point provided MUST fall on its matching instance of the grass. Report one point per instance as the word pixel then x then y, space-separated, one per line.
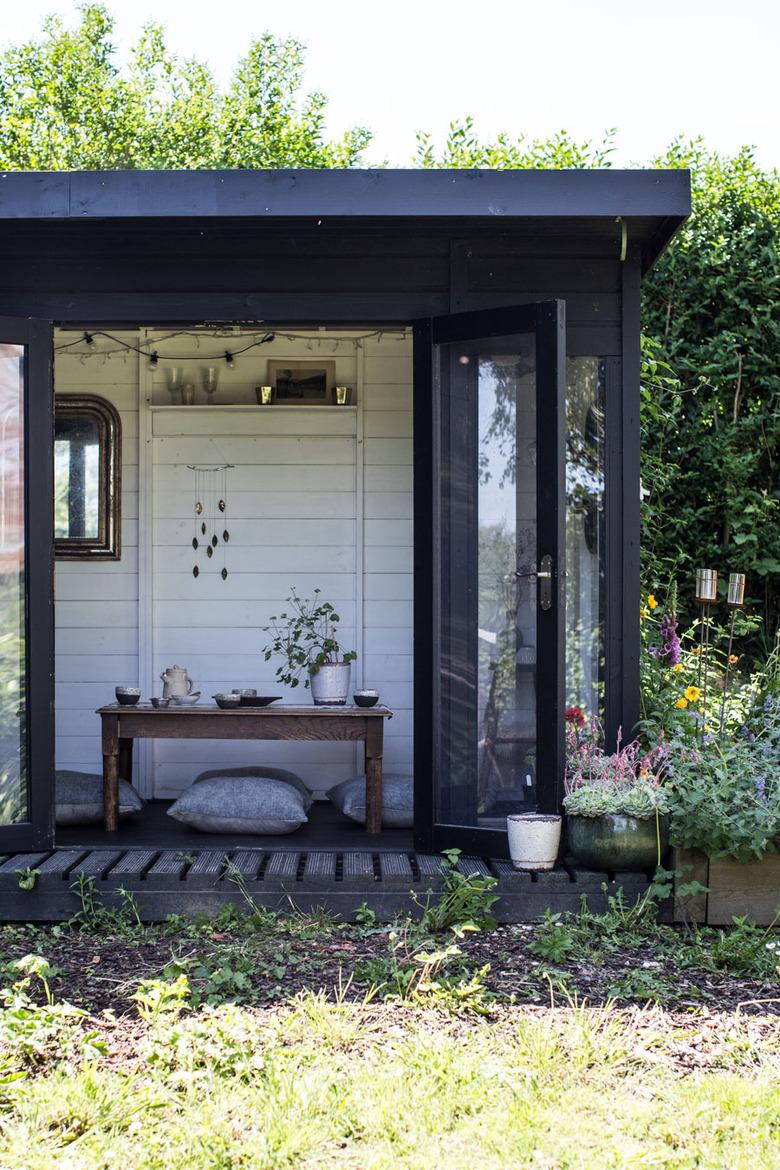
pixel 265 1041
pixel 320 1082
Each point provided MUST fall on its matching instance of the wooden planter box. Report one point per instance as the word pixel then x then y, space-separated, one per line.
pixel 734 890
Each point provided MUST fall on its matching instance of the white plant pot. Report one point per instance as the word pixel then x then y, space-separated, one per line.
pixel 534 839
pixel 330 684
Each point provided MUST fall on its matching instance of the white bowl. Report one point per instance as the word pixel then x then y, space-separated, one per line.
pixel 186 700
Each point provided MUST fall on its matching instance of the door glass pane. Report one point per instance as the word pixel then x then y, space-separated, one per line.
pixel 13 772
pixel 487 638
pixel 585 535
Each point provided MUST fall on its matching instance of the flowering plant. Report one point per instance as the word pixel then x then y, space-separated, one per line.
pixel 628 781
pixel 725 797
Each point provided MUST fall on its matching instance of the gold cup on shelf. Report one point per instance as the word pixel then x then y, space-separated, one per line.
pixel 264 395
pixel 343 395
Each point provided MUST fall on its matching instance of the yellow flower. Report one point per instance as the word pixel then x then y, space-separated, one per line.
pixel 732 659
pixel 651 601
pixel 644 612
pixel 678 667
pixel 682 704
pixel 692 694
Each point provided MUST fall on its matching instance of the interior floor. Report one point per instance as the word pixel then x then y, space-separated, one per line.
pixel 327 829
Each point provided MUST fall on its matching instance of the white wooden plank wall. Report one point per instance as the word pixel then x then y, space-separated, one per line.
pixel 293 516
pixel 97 604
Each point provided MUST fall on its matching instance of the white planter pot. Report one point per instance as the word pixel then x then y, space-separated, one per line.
pixel 534 839
pixel 330 684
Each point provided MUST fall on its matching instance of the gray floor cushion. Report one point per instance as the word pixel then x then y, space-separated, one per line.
pixel 78 798
pixel 397 800
pixel 241 804
pixel 268 773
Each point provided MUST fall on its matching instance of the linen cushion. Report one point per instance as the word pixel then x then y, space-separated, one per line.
pixel 269 774
pixel 241 804
pixel 78 798
pixel 397 800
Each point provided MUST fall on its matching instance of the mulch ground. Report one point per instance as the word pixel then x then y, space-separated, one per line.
pixel 97 972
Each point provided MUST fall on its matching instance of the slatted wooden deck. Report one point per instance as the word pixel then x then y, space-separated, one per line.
pixel 165 881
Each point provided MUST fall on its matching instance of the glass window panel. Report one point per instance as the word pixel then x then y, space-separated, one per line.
pixel 585 534
pixel 77 477
pixel 13 769
pixel 488 630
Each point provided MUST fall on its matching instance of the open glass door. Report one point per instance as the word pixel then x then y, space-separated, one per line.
pixel 26 585
pixel 489 600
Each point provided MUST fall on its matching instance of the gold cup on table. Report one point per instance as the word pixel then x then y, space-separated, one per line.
pixel 264 395
pixel 343 394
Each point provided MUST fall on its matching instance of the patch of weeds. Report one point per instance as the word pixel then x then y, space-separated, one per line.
pixel 28 878
pixel 440 977
pixel 645 985
pixel 224 977
pixel 462 900
pixel 745 950
pixel 365 916
pixel 94 917
pixel 554 940
pixel 33 1034
pixel 161 997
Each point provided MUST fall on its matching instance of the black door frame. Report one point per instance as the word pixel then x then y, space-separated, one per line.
pixel 546 320
pixel 38 436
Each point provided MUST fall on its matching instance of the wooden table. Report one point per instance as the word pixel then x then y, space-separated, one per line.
pixel 121 725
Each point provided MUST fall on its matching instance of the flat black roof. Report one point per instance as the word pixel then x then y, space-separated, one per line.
pixel 654 201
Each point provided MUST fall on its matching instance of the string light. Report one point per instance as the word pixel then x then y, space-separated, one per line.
pixel 229 356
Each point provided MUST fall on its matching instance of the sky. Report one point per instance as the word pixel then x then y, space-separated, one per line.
pixel 651 70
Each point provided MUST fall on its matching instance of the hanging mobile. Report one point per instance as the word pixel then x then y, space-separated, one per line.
pixel 196 571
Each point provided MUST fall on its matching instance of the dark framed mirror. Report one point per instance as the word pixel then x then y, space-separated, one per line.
pixel 87 478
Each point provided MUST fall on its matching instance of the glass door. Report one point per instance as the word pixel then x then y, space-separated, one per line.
pixel 489 547
pixel 26 585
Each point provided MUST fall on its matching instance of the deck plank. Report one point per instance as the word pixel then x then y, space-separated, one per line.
pixel 55 869
pixel 320 869
pixel 166 870
pixel 358 870
pixel 247 862
pixel 97 863
pixel 11 869
pixel 473 867
pixel 431 870
pixel 134 863
pixel 396 871
pixel 282 870
pixel 208 867
pixel 509 878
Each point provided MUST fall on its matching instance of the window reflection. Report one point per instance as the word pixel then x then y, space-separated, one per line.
pixel 585 534
pixel 13 777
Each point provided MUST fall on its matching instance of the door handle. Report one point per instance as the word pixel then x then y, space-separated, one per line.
pixel 544 575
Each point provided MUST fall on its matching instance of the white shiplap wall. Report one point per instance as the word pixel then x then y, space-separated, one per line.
pixel 315 499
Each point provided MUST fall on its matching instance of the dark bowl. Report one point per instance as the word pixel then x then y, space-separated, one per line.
pixel 227 702
pixel 259 700
pixel 366 700
pixel 128 700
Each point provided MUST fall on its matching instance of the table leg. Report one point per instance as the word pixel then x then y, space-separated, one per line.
pixel 374 741
pixel 110 773
pixel 126 760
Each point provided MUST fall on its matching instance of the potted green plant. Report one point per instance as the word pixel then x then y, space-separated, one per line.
pixel 615 802
pixel 305 639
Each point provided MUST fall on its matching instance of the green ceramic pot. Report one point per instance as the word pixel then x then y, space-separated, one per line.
pixel 616 843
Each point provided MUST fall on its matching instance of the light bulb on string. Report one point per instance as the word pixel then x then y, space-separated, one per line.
pixel 229 360
pixel 153 358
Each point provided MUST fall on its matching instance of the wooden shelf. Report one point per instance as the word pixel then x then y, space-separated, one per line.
pixel 274 408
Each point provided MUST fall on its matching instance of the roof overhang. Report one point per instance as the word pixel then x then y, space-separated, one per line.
pixel 654 202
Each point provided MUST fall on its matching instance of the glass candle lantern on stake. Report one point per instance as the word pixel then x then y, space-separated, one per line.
pixel 706 595
pixel 735 600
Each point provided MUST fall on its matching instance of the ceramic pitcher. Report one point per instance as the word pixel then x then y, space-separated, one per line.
pixel 176 681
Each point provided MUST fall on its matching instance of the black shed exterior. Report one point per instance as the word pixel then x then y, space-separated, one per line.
pixel 484 266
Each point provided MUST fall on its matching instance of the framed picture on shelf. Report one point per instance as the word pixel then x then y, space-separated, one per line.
pixel 302 383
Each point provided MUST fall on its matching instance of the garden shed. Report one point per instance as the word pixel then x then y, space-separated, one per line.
pixel 414 391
